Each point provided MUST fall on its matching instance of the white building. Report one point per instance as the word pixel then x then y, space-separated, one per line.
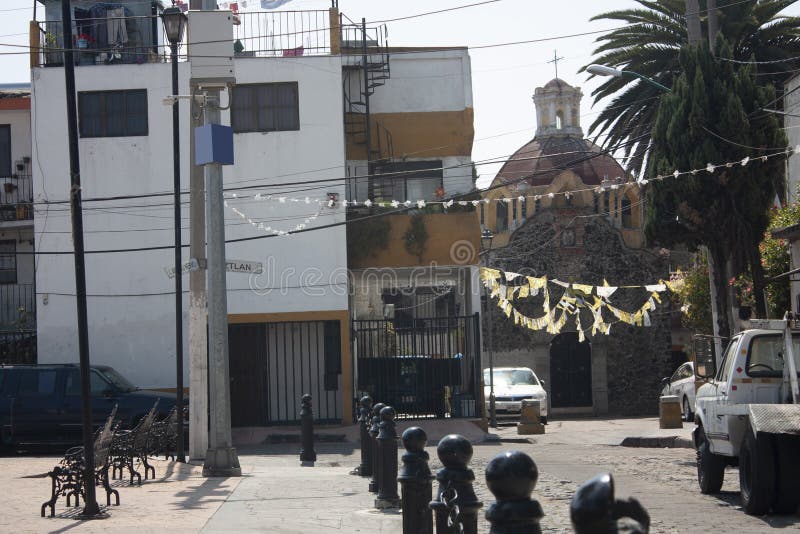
pixel 289 129
pixel 304 143
pixel 17 289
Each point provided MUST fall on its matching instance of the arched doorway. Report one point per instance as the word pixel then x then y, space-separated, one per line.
pixel 570 372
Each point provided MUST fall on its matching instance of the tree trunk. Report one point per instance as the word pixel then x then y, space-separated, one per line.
pixel 719 298
pixel 693 21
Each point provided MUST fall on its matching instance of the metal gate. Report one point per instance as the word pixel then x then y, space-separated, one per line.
pixel 273 364
pixel 421 367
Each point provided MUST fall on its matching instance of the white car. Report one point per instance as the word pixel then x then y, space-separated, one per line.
pixel 511 385
pixel 682 385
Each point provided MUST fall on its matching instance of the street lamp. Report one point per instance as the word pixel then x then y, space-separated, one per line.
pixel 602 70
pixel 174 21
pixel 486 245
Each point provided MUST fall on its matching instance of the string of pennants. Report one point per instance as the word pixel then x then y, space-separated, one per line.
pixel 612 185
pixel 507 287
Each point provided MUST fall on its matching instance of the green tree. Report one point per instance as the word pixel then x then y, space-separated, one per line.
pixel 693 296
pixel 649 43
pixel 712 115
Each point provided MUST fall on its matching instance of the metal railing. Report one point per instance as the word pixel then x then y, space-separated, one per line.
pixel 17 307
pixel 282 33
pixel 18 347
pixel 91 44
pixel 16 198
pixel 423 367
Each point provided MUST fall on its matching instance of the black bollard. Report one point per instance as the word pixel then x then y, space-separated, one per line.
pixel 307 454
pixel 374 484
pixel 387 445
pixel 416 482
pixel 364 420
pixel 511 477
pixel 456 503
pixel 595 511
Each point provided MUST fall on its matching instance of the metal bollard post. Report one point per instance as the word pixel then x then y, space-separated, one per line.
pixel 374 484
pixel 365 469
pixel 456 505
pixel 594 510
pixel 307 454
pixel 416 482
pixel 511 477
pixel 387 445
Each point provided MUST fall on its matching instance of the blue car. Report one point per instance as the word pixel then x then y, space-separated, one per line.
pixel 41 404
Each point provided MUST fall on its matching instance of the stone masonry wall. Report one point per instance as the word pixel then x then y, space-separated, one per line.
pixel 637 357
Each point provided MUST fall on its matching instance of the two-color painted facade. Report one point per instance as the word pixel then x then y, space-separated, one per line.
pixel 305 141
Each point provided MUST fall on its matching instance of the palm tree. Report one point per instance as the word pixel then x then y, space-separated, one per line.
pixel 649 42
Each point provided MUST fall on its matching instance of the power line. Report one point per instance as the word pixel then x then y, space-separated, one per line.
pixel 433 12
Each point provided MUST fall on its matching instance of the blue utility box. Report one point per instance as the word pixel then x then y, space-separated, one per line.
pixel 213 144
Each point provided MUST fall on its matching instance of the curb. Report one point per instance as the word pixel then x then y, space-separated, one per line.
pixel 667 442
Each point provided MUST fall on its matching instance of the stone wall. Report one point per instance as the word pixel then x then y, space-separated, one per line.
pixel 637 357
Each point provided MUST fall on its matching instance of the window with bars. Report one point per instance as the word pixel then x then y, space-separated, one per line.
pixel 265 107
pixel 5 150
pixel 408 180
pixel 523 209
pixel 113 113
pixel 8 262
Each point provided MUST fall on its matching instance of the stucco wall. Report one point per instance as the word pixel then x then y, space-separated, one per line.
pixel 131 300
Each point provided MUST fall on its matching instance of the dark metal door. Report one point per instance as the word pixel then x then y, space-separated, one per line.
pixel 248 371
pixel 273 364
pixel 570 372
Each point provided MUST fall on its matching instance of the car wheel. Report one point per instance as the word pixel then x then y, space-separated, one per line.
pixel 756 473
pixel 710 466
pixel 688 416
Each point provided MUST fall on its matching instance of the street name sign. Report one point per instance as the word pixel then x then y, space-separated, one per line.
pixel 191 265
pixel 244 266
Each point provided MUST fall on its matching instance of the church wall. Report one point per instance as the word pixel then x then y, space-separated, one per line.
pixel 627 366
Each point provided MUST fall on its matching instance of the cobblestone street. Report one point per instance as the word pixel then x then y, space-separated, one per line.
pixel 276 495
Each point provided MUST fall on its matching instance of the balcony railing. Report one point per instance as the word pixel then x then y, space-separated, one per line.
pixel 282 33
pixel 16 198
pixel 134 41
pixel 17 307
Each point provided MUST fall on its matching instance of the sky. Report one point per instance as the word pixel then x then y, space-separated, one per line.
pixel 503 78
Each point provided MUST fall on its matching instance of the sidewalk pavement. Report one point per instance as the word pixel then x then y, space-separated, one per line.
pixel 274 493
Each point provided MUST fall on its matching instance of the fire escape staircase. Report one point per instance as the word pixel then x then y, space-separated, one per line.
pixel 366 67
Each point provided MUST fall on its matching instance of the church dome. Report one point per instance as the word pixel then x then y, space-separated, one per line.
pixel 559 144
pixel 540 161
pixel 557 83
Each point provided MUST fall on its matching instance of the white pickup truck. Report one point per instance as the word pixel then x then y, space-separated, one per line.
pixel 747 414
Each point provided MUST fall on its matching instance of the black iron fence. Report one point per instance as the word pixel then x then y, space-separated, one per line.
pixel 17 307
pixel 16 198
pixel 426 367
pixel 18 347
pixel 282 33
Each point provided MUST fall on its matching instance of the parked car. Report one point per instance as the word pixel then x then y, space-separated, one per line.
pixel 511 386
pixel 42 403
pixel 682 385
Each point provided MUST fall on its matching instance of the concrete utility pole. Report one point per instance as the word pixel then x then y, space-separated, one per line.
pixel 198 314
pixel 693 21
pixel 713 26
pixel 221 458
